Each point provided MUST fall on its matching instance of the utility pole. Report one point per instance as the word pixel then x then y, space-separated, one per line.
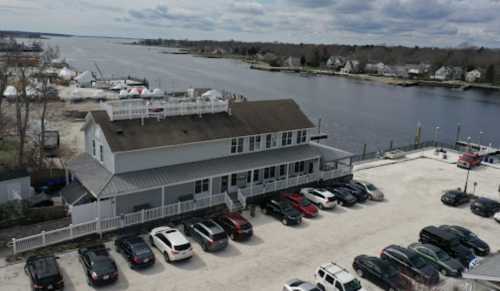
pixel 467 181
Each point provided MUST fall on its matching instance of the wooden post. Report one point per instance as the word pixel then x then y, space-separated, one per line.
pixel 14 247
pixel 391 145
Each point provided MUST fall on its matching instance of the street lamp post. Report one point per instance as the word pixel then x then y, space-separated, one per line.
pixel 467 181
pixel 436 135
pixel 480 138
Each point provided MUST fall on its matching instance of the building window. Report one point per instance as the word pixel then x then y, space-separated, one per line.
pixel 249 177
pixel 296 167
pixel 233 179
pixel 269 173
pixel 272 172
pixel 269 138
pixel 237 145
pixel 286 138
pixel 256 175
pixel 101 153
pixel 282 170
pixel 301 136
pixel 311 167
pixel 254 143
pixel 201 186
pixel 302 166
pixel 93 148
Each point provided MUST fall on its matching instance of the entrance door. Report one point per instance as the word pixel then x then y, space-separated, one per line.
pixel 224 184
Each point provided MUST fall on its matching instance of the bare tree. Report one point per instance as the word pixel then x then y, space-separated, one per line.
pixel 23 108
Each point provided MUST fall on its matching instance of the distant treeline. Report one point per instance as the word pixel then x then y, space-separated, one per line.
pixel 317 54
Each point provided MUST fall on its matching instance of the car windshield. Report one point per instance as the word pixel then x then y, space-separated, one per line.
pixel 354 285
pixel 418 262
pixel 219 236
pixel 442 255
pixel 103 265
pixel 371 187
pixel 141 249
pixel 305 202
pixel 182 247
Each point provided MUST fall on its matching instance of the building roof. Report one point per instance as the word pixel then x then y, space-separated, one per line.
pixel 246 118
pixel 487 270
pixel 73 193
pixel 92 175
pixel 139 180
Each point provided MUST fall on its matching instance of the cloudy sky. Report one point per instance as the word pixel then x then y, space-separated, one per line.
pixel 405 22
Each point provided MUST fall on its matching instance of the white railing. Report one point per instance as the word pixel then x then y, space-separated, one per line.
pixel 46 238
pixel 242 199
pixel 228 201
pixel 138 109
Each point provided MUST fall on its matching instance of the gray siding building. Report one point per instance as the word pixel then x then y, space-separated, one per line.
pixel 251 149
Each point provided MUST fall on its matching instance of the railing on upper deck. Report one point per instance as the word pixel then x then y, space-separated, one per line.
pixel 139 109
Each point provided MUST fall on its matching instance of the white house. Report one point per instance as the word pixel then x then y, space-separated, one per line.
pixel 142 155
pixel 351 67
pixel 292 62
pixel 473 76
pixel 335 62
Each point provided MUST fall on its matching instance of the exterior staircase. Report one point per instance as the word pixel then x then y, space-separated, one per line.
pixel 237 205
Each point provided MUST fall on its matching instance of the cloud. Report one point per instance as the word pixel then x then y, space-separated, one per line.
pixel 354 6
pixel 98 6
pixel 418 9
pixel 253 8
pixel 312 3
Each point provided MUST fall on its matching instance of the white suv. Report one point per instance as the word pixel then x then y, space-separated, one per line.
pixel 171 243
pixel 332 277
pixel 323 198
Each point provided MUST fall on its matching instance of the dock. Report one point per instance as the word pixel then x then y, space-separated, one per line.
pixel 481 149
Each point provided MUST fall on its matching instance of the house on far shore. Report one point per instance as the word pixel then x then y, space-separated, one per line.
pixel 292 62
pixel 336 62
pixel 351 67
pixel 418 71
pixel 375 69
pixel 473 76
pixel 445 73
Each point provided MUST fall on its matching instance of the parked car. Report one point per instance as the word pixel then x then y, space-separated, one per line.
pixel 332 277
pixel 98 265
pixel 485 207
pixel 299 285
pixel 302 204
pixel 44 273
pixel 469 239
pixel 358 192
pixel 208 234
pixel 171 243
pixel 283 211
pixel 469 160
pixel 373 192
pixel 448 242
pixel 322 198
pixel 497 217
pixel 236 226
pixel 344 197
pixel 411 264
pixel 380 273
pixel 455 198
pixel 135 250
pixel 438 258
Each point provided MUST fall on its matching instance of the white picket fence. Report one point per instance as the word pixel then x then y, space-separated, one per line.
pixel 46 238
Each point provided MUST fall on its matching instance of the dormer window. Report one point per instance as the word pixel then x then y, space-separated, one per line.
pixel 286 138
pixel 301 136
pixel 237 145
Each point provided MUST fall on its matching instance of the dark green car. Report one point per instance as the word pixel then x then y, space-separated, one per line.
pixel 438 258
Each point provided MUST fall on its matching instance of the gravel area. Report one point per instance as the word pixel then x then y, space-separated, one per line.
pixel 277 253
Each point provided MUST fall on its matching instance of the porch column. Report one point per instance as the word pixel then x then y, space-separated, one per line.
pixel 163 201
pixel 210 186
pixel 287 172
pixel 251 182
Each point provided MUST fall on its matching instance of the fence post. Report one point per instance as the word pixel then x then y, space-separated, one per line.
pixel 179 207
pixel 98 227
pixel 142 216
pixel 14 248
pixel 71 231
pixel 43 238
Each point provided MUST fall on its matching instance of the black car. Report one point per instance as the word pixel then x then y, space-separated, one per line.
pixel 485 207
pixel 435 256
pixel 355 190
pixel 344 196
pixel 98 265
pixel 469 239
pixel 135 250
pixel 455 198
pixel 448 242
pixel 283 211
pixel 44 273
pixel 411 264
pixel 380 273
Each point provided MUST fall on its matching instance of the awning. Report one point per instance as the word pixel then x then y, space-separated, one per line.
pixel 487 270
pixel 92 175
pixel 147 179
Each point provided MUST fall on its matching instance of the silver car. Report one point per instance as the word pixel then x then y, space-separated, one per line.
pixel 299 285
pixel 373 192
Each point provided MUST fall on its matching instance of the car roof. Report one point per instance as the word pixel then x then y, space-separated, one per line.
pixel 236 218
pixel 44 266
pixel 338 272
pixel 440 232
pixel 173 235
pixel 427 246
pixel 211 226
pixel 325 192
pixel 487 200
pixel 399 249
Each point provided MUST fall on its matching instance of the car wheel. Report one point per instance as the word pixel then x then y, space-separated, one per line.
pixel 341 203
pixel 204 247
pixel 167 257
pixel 444 272
pixel 232 236
pixel 360 273
pixel 321 287
pixel 284 221
pixel 151 240
pixel 321 206
pixel 391 289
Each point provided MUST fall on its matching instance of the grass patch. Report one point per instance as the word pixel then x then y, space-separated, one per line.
pixel 8 150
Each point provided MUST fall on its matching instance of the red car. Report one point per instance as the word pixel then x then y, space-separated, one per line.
pixel 302 204
pixel 236 226
pixel 469 160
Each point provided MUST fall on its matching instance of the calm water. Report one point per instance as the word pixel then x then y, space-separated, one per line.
pixel 352 112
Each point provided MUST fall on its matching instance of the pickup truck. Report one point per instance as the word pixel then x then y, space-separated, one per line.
pixel 469 160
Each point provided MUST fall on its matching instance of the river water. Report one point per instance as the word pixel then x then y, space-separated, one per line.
pixel 353 112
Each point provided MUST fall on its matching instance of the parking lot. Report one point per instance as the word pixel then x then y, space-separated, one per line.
pixel 277 253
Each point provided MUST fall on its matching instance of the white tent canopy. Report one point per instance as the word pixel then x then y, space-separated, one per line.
pixel 134 92
pixel 10 92
pixel 85 78
pixel 67 74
